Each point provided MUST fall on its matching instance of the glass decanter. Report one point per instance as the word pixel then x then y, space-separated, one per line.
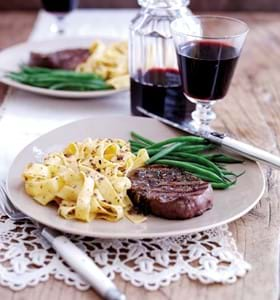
pixel 155 79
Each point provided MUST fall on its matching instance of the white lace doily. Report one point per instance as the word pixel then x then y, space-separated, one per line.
pixel 211 256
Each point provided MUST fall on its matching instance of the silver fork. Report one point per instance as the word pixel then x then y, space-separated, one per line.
pixel 74 256
pixel 8 208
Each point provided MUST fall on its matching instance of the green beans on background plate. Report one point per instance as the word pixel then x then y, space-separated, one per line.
pixel 59 79
pixel 186 152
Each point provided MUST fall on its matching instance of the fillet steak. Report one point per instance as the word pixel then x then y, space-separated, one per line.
pixel 169 192
pixel 67 59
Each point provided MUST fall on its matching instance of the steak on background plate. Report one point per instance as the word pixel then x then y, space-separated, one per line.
pixel 169 192
pixel 67 59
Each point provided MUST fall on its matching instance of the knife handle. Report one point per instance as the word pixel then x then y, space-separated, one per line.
pixel 251 152
pixel 79 261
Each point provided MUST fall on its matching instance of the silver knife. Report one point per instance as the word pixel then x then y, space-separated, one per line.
pixel 221 139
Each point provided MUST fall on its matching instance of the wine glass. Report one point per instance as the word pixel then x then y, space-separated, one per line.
pixel 59 8
pixel 207 56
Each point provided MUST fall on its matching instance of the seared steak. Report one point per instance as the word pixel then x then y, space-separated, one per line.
pixel 67 59
pixel 169 192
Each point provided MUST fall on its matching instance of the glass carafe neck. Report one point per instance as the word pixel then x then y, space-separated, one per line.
pixel 163 3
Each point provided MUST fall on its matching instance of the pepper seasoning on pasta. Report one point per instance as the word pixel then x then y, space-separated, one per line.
pixel 88 180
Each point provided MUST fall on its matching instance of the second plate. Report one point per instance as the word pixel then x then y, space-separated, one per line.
pixel 11 58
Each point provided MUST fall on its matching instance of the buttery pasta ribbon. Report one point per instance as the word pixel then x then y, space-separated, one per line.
pixel 108 61
pixel 88 180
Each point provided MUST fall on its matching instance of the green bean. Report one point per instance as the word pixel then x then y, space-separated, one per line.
pixel 137 144
pixel 65 80
pixel 177 158
pixel 58 79
pixel 233 174
pixel 194 149
pixel 60 72
pixel 221 185
pixel 134 147
pixel 77 85
pixel 228 174
pixel 185 147
pixel 199 147
pixel 163 152
pixel 63 77
pixel 60 76
pixel 201 160
pixel 141 138
pixel 222 158
pixel 179 139
pixel 140 146
pixel 224 174
pixel 199 172
pixel 17 77
pixel 189 149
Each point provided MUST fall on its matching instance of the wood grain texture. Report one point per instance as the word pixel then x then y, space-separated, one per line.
pixel 13 32
pixel 15 27
pixel 250 112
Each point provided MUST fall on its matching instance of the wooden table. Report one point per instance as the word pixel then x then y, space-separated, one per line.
pixel 251 112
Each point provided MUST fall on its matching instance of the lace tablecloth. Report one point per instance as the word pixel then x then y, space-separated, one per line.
pixel 26 259
pixel 210 257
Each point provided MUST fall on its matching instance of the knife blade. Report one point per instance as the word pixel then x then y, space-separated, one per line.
pixel 221 139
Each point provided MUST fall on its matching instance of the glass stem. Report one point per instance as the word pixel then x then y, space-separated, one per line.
pixel 203 115
pixel 60 24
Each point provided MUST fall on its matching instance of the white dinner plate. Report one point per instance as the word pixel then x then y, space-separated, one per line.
pixel 228 204
pixel 11 58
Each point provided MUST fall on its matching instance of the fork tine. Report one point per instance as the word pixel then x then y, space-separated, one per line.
pixel 3 196
pixel 3 201
pixel 7 206
pixel 3 185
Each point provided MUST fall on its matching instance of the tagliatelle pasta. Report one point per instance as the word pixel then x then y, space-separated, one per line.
pixel 88 180
pixel 108 61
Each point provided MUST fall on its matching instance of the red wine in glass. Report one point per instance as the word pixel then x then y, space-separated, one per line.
pixel 59 8
pixel 160 91
pixel 206 68
pixel 207 56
